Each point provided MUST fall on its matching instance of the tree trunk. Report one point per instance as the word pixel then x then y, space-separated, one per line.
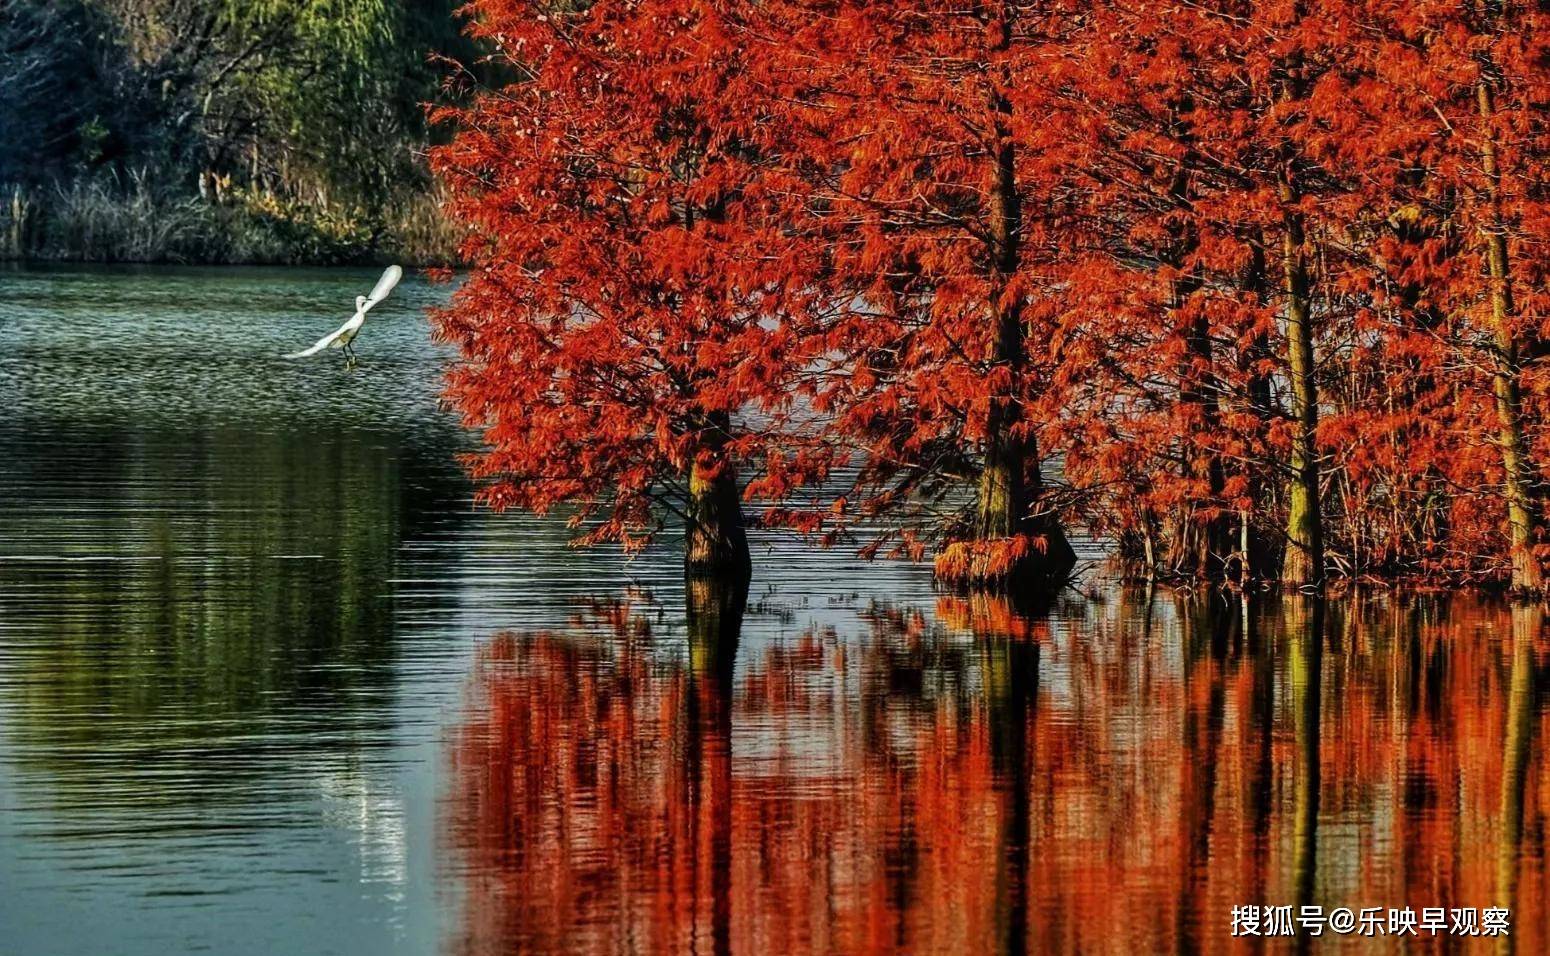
pixel 1426 522
pixel 1010 484
pixel 1004 492
pixel 1200 544
pixel 1303 562
pixel 1303 565
pixel 1522 525
pixel 1256 552
pixel 715 542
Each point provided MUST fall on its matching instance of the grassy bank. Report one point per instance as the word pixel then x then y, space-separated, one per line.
pixel 133 219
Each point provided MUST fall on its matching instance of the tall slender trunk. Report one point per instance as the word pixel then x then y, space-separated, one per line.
pixel 1004 492
pixel 1010 485
pixel 1254 550
pixel 1303 565
pixel 715 542
pixel 1426 522
pixel 1522 524
pixel 1205 541
pixel 1200 544
pixel 1257 283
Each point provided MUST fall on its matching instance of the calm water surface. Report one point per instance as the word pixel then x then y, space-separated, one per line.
pixel 269 684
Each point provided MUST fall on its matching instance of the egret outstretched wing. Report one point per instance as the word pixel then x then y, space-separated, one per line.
pixel 322 343
pixel 346 332
pixel 390 277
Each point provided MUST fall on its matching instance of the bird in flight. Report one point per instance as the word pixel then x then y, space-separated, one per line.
pixel 345 334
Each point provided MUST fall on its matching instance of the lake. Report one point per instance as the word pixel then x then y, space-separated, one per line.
pixel 269 683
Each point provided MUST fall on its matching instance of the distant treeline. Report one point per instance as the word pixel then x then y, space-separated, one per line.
pixel 220 130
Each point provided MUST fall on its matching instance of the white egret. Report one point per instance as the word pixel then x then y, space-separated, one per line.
pixel 346 333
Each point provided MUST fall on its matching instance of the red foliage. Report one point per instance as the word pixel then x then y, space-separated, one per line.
pixel 1208 258
pixel 928 162
pixel 985 561
pixel 618 325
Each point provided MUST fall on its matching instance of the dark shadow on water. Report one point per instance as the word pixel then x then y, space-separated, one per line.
pixel 1527 628
pixel 714 615
pixel 1304 623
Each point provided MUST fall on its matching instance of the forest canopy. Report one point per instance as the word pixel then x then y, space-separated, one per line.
pixel 236 129
pixel 1253 290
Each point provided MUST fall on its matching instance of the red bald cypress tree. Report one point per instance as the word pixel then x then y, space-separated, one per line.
pixel 1192 293
pixel 1509 51
pixel 1438 113
pixel 921 150
pixel 1166 316
pixel 1258 281
pixel 623 349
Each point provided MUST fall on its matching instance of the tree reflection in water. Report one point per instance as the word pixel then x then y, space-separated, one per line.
pixel 969 779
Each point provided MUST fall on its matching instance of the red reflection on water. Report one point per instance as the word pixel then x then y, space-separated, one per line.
pixel 1111 780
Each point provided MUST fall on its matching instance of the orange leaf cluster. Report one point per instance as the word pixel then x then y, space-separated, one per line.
pixel 1221 281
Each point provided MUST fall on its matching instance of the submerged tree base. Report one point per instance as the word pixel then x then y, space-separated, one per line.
pixel 715 544
pixel 1022 562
